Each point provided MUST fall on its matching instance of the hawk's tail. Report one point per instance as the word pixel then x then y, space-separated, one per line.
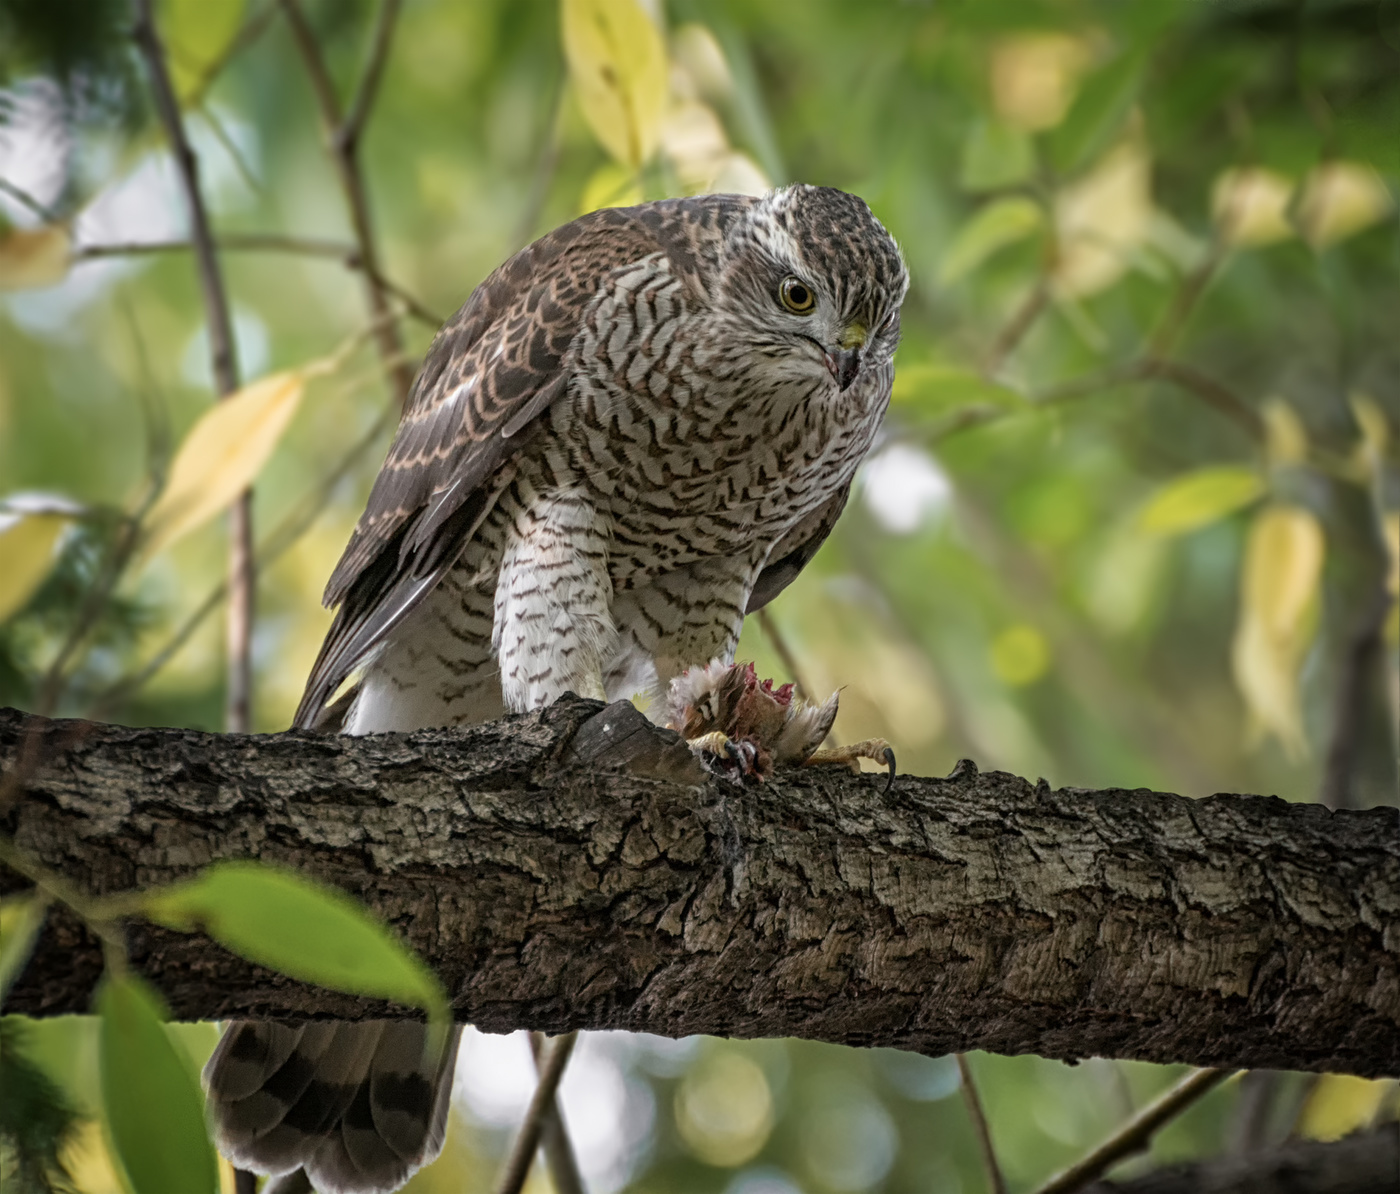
pixel 360 1107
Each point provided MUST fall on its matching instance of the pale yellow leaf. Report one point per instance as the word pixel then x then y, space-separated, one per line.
pixel 221 455
pixel 1250 206
pixel 1034 77
pixel 1279 583
pixel 1199 498
pixel 1285 437
pixel 1102 220
pixel 694 141
pixel 618 65
pixel 1341 1104
pixel 34 257
pixel 699 57
pixel 27 545
pixel 1341 199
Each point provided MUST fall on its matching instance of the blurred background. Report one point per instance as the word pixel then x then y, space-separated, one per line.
pixel 1133 520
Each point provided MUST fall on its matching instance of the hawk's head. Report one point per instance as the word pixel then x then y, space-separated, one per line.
pixel 813 284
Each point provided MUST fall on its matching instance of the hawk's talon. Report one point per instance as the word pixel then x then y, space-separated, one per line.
pixel 850 756
pixel 731 759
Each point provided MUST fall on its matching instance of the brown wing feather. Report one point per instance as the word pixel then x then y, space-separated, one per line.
pixel 493 370
pixel 794 551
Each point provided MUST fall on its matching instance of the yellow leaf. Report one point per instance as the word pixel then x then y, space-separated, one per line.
pixel 221 455
pixel 1199 498
pixel 1020 655
pixel 34 257
pixel 27 545
pixel 1341 1104
pixel 619 68
pixel 1250 206
pixel 1278 596
pixel 610 186
pixel 1339 200
pixel 196 33
pixel 1034 77
pixel 693 138
pixel 1375 427
pixel 1285 437
pixel 1101 221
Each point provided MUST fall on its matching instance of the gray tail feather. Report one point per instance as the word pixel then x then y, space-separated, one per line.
pixel 360 1107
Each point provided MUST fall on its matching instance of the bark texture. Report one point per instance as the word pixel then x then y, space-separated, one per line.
pixel 1367 1163
pixel 573 869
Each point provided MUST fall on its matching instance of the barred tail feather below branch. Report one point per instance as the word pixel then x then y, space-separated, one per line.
pixel 360 1107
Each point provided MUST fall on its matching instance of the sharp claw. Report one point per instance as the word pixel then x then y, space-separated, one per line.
pixel 889 761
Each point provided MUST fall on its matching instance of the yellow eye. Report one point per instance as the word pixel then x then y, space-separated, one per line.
pixel 797 296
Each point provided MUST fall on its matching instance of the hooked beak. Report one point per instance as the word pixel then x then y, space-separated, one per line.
pixel 843 364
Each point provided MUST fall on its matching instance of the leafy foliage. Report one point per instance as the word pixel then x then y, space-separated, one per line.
pixel 1139 493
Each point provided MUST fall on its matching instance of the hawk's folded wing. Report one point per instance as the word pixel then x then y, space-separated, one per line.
pixel 493 369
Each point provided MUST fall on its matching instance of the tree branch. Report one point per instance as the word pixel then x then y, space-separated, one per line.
pixel 343 138
pixel 554 889
pixel 1362 1164
pixel 1136 1134
pixel 242 582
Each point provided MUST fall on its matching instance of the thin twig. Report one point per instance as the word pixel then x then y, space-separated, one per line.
pixel 979 1122
pixel 343 138
pixel 517 1166
pixel 242 585
pixel 1137 1133
pixel 1209 390
pixel 26 200
pixel 558 1150
pixel 1021 322
pixel 784 653
pixel 270 242
pixel 1184 301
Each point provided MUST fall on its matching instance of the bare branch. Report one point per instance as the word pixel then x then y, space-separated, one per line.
pixel 517 1166
pixel 1366 1163
pixel 980 1125
pixel 573 869
pixel 554 1136
pixel 342 142
pixel 242 585
pixel 1021 322
pixel 353 124
pixel 349 256
pixel 1136 1134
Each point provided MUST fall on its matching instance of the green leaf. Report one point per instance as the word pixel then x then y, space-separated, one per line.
pixel 196 33
pixel 1098 112
pixel 150 1096
pixel 995 226
pixel 302 929
pixel 21 918
pixel 934 389
pixel 1198 498
pixel 995 155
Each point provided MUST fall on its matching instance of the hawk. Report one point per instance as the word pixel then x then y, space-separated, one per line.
pixel 637 430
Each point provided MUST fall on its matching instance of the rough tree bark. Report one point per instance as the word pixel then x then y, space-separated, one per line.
pixel 573 869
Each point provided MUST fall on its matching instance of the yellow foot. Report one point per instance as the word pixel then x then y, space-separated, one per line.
pixel 850 757
pixel 733 759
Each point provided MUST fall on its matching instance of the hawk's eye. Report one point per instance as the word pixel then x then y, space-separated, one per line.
pixel 797 296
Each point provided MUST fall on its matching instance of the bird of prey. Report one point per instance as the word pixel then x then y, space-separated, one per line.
pixel 635 431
